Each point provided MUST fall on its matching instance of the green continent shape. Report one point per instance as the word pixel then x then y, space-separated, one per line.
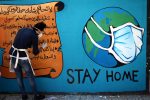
pixel 95 52
pixel 116 19
pixel 96 34
pixel 89 44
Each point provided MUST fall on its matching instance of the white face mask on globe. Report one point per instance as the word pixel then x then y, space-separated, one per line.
pixel 126 41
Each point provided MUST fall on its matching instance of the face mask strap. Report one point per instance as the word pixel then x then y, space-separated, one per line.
pixel 112 38
pixel 38 30
pixel 128 24
pixel 93 41
pixel 110 34
pixel 99 27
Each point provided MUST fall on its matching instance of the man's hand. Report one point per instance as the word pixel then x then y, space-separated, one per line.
pixel 0 74
pixel 44 45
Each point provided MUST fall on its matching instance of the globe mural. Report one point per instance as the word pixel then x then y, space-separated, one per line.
pixel 112 37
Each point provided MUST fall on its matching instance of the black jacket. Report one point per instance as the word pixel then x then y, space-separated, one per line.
pixel 25 38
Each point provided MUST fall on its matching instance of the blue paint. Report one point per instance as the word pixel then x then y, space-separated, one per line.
pixel 70 22
pixel 1 55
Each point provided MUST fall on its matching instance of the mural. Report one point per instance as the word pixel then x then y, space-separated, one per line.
pixel 112 34
pixel 94 46
pixel 13 17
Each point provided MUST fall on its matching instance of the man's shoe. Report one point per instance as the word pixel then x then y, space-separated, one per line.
pixel 39 97
pixel 24 97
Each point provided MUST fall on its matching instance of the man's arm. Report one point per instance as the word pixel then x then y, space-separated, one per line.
pixel 35 50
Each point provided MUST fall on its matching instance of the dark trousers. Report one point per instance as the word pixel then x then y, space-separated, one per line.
pixel 24 65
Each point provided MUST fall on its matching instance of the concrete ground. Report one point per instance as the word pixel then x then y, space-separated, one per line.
pixel 79 97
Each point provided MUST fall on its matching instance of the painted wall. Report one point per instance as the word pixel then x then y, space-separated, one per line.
pixel 49 62
pixel 89 65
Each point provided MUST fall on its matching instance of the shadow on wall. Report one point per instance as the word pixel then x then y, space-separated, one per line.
pixel 148 35
pixel 148 44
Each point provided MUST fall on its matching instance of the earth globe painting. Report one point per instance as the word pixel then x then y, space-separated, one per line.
pixel 112 37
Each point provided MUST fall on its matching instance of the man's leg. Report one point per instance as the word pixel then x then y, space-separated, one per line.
pixel 19 77
pixel 27 67
pixel 29 74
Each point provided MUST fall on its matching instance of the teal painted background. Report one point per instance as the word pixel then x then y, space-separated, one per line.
pixel 70 23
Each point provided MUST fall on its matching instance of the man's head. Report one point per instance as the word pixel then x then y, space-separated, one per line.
pixel 39 28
